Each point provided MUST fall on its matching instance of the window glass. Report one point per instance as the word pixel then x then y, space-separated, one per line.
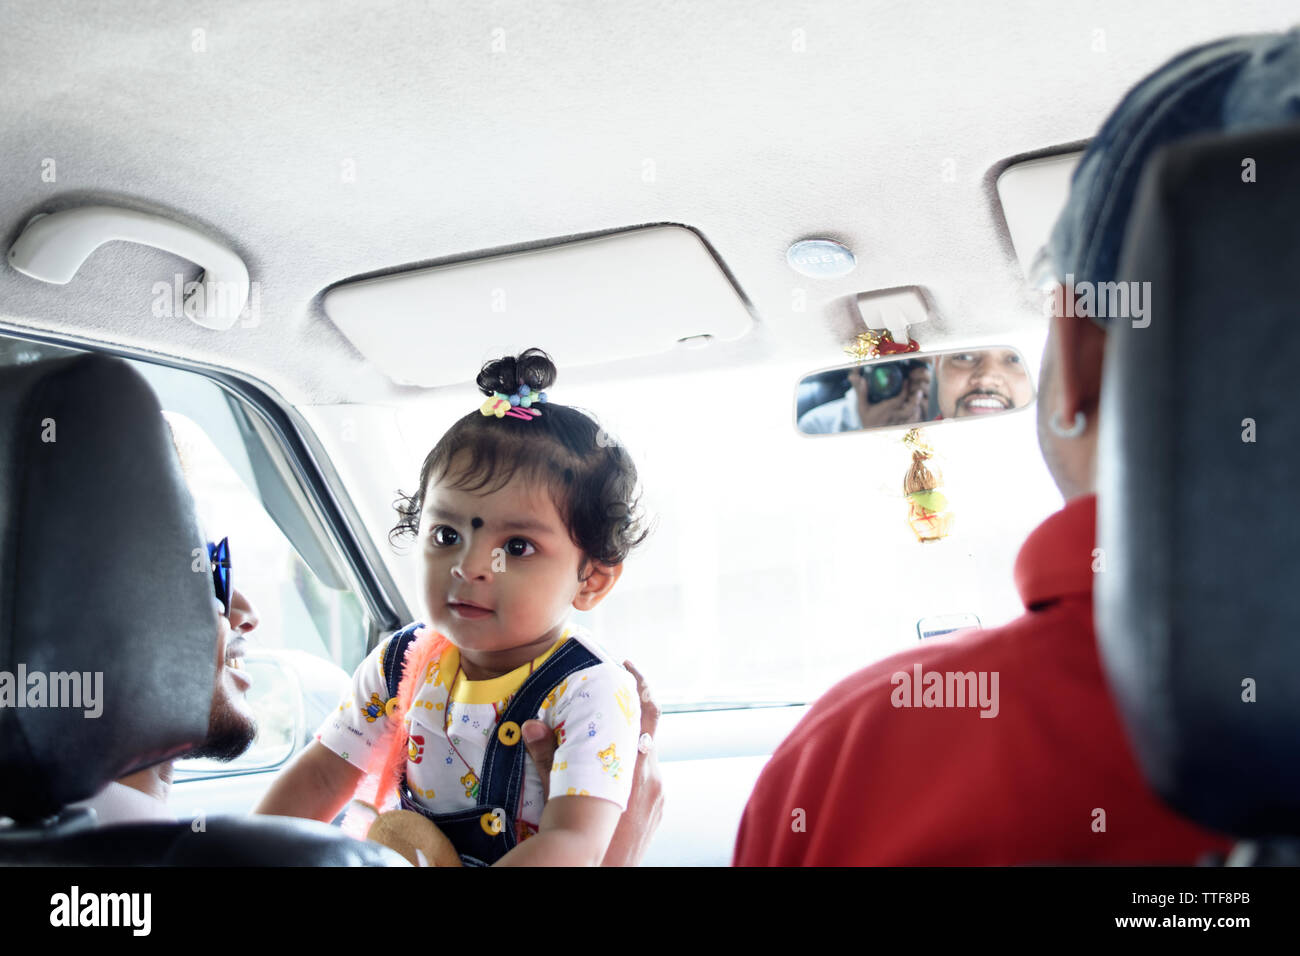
pixel 294 608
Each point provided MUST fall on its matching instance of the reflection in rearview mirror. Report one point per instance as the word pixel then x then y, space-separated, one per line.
pixel 912 390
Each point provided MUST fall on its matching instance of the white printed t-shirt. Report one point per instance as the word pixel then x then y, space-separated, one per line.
pixel 594 713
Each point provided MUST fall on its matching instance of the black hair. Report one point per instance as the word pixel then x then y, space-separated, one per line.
pixel 590 476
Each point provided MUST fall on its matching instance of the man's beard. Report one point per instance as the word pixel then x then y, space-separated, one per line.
pixel 230 733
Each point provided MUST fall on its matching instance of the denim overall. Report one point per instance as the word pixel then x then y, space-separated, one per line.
pixel 484 833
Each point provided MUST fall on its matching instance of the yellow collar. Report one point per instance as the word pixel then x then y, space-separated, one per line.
pixel 494 689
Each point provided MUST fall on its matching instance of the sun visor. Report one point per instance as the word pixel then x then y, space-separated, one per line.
pixel 1032 194
pixel 590 301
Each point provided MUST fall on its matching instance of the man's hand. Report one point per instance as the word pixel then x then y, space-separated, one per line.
pixel 908 407
pixel 645 806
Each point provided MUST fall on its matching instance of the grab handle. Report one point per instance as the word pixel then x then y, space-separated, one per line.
pixel 53 247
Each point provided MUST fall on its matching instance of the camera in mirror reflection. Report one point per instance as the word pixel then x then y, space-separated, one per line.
pixel 913 390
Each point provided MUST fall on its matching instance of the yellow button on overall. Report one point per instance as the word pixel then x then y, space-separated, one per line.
pixel 390 708
pixel 491 824
pixel 509 733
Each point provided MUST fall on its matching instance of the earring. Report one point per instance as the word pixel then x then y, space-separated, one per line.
pixel 1074 431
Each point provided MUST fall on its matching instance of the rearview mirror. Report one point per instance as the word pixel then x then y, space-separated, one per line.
pixel 913 389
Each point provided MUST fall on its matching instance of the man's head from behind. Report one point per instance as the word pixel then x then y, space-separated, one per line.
pixel 1231 85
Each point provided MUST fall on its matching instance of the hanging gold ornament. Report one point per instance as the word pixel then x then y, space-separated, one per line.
pixel 867 345
pixel 928 514
pixel 873 343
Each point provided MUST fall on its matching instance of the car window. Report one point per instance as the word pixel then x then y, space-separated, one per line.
pixel 296 610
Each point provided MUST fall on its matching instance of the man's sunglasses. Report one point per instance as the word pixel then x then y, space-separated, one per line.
pixel 219 558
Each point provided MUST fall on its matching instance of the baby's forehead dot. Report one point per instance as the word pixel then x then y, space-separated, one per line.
pixel 476 522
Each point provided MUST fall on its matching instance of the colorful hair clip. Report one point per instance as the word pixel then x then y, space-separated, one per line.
pixel 516 405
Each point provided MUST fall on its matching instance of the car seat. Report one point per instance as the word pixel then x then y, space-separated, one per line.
pixel 1199 599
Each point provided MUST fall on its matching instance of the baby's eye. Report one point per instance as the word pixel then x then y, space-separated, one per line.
pixel 445 536
pixel 519 548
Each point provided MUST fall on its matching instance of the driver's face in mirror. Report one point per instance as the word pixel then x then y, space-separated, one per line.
pixel 912 390
pixel 982 382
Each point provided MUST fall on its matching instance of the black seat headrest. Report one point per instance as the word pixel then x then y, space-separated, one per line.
pixel 1198 604
pixel 100 593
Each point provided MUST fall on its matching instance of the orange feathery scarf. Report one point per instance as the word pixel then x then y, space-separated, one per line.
pixel 387 765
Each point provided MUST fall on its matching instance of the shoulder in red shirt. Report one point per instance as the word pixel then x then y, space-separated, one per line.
pixel 872 776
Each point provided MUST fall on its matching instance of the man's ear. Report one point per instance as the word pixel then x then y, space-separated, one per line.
pixel 1081 347
pixel 600 580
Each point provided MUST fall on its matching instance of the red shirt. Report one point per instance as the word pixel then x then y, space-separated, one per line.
pixel 863 780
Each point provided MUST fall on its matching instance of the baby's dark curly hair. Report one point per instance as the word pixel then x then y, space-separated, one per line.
pixel 590 476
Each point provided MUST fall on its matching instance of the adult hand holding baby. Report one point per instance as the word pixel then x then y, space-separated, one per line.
pixel 637 825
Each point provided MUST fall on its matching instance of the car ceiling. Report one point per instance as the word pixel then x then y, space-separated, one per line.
pixel 474 128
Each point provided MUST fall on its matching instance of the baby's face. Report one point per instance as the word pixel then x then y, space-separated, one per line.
pixel 500 570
